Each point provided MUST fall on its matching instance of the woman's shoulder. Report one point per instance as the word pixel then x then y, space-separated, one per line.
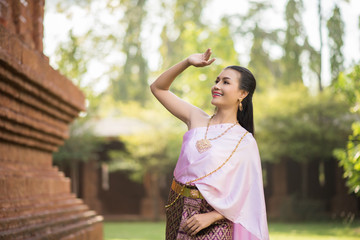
pixel 246 136
pixel 241 130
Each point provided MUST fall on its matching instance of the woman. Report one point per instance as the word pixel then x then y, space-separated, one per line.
pixel 217 192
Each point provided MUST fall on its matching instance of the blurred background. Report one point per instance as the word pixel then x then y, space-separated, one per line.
pixel 122 150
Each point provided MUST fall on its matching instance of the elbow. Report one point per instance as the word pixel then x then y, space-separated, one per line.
pixel 155 89
pixel 152 88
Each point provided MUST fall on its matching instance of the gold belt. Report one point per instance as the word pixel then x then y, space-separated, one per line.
pixel 187 192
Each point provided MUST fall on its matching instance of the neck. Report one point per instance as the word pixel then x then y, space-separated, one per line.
pixel 225 116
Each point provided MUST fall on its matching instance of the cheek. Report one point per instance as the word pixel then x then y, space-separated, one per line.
pixel 233 92
pixel 235 97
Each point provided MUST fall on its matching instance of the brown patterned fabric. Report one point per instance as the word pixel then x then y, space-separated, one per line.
pixel 183 209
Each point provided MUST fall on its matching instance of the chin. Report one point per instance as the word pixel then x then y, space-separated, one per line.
pixel 215 103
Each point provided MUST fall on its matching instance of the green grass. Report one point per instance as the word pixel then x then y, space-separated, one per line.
pixel 134 230
pixel 314 231
pixel 278 231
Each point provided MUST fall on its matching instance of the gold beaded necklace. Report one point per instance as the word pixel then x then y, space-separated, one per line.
pixel 203 145
pixel 208 174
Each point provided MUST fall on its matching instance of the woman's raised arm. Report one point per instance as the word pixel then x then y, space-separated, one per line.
pixel 160 88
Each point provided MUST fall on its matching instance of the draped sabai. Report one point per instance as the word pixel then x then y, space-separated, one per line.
pixel 236 189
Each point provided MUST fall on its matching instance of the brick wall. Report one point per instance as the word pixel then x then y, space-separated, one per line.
pixel 37 104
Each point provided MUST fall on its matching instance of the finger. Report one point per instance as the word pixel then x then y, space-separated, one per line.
pixel 185 227
pixel 190 220
pixel 207 51
pixel 193 230
pixel 194 233
pixel 207 54
pixel 205 58
pixel 190 225
pixel 210 61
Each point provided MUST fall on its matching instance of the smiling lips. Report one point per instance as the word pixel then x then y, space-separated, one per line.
pixel 216 94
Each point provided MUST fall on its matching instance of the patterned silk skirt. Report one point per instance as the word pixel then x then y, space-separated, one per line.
pixel 185 207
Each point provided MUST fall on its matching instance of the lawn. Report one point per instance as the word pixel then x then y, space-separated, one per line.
pixel 314 231
pixel 278 231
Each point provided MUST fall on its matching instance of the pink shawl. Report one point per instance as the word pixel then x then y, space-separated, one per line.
pixel 235 190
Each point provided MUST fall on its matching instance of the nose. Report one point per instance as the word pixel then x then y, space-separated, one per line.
pixel 216 86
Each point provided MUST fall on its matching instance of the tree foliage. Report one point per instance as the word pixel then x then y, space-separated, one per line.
pixel 336 32
pixel 291 122
pixel 192 36
pixel 154 148
pixel 175 33
pixel 267 69
pixel 71 59
pixel 349 157
pixel 289 126
pixel 132 81
pixel 292 46
pixel 80 146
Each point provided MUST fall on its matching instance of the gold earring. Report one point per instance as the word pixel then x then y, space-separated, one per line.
pixel 240 104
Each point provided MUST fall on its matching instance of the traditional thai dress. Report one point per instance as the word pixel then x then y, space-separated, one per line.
pixel 235 190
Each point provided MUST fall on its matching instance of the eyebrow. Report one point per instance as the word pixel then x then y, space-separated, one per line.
pixel 226 78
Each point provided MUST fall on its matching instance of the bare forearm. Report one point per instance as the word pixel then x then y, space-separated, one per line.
pixel 160 88
pixel 164 81
pixel 200 221
pixel 215 216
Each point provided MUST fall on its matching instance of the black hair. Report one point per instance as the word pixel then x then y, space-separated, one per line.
pixel 247 83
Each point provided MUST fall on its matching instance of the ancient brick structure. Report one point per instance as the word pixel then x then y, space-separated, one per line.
pixel 36 106
pixel 286 182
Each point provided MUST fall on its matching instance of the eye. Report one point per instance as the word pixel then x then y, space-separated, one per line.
pixel 216 81
pixel 226 82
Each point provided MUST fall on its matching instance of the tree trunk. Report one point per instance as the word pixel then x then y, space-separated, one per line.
pixel 150 207
pixel 74 177
pixel 156 196
pixel 304 179
pixel 321 45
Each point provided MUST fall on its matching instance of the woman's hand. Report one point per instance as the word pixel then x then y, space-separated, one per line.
pixel 201 59
pixel 200 221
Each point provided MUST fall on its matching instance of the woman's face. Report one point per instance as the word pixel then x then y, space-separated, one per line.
pixel 226 92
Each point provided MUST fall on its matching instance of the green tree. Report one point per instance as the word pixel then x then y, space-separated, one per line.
pixel 349 157
pixel 82 143
pixel 192 36
pixel 289 126
pixel 318 59
pixel 292 44
pixel 71 60
pixel 81 146
pixel 184 33
pixel 185 14
pixel 336 27
pixel 194 84
pixel 151 152
pixel 267 70
pixel 131 84
pixel 114 48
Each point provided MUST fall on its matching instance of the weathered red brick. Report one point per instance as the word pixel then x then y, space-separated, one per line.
pixel 37 104
pixel 4 12
pixel 38 24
